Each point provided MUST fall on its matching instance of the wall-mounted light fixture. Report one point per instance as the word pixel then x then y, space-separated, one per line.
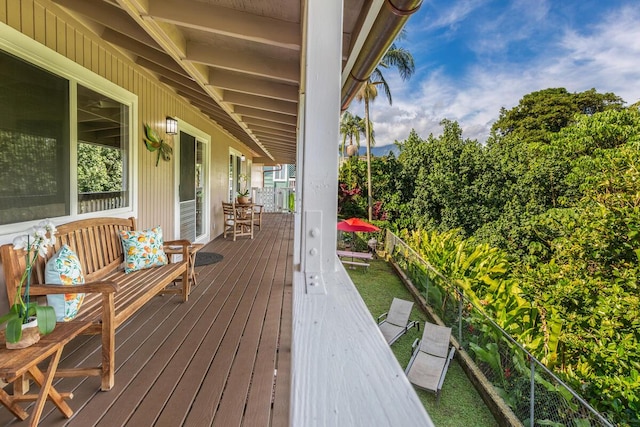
pixel 242 158
pixel 172 126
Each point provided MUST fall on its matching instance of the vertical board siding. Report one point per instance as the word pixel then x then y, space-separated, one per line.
pixel 48 24
pixel 26 16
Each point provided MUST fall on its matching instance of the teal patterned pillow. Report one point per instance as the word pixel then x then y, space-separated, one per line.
pixel 142 249
pixel 64 269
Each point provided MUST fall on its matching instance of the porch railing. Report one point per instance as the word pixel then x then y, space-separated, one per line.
pixel 101 201
pixel 527 386
pixel 274 199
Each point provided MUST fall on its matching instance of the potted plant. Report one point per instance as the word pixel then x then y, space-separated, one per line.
pixel 243 193
pixel 243 196
pixel 25 314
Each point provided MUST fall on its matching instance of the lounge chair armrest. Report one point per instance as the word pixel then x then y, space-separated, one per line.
pixel 412 324
pixel 383 315
pixel 104 286
pixel 452 352
pixel 415 344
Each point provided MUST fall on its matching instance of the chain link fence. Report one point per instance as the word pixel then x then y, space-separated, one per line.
pixel 531 390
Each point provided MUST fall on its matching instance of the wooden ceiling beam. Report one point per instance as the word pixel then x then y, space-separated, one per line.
pixel 220 117
pixel 267 137
pixel 275 138
pixel 272 133
pixel 192 94
pixel 140 49
pixel 261 103
pixel 244 62
pixel 290 131
pixel 176 76
pixel 269 124
pixel 265 115
pixel 228 22
pixel 282 144
pixel 243 83
pixel 109 16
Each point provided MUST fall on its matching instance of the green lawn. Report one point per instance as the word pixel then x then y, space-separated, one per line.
pixel 460 403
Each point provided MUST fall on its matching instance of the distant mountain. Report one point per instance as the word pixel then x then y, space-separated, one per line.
pixel 380 151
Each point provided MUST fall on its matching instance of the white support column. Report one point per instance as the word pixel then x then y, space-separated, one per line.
pixel 319 129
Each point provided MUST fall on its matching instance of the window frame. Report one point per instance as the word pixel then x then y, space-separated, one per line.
pixel 281 175
pixel 23 47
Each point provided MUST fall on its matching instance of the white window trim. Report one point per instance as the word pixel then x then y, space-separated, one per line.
pixel 245 168
pixel 206 139
pixel 29 50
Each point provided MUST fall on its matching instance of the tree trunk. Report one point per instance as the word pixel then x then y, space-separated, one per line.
pixel 368 130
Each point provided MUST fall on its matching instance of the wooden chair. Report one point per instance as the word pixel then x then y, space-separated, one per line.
pixel 257 215
pixel 238 220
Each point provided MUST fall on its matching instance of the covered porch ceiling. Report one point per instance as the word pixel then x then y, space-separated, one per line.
pixel 240 61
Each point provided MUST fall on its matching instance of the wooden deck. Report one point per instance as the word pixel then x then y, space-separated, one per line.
pixel 210 361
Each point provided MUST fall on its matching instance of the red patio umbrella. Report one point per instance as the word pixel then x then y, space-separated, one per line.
pixel 356 224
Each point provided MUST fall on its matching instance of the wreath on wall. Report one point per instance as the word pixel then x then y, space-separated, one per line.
pixel 153 143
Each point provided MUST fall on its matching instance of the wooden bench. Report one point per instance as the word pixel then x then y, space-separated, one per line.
pixel 111 296
pixel 356 263
pixel 354 256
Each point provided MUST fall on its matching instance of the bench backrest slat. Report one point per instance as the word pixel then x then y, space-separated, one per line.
pixel 95 240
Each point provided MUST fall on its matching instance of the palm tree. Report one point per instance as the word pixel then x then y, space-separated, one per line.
pixel 351 126
pixel 402 60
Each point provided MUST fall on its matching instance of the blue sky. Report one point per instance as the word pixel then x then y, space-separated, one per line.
pixel 475 56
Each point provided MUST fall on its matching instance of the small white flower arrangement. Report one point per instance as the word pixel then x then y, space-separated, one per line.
pixel 36 243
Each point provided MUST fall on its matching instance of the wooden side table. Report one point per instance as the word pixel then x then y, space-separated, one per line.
pixel 15 363
pixel 193 250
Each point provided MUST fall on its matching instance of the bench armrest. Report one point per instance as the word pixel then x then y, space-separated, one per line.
pixel 171 248
pixel 105 286
pixel 181 242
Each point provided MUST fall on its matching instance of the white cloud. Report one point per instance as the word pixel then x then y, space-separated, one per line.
pixel 453 16
pixel 606 58
pixel 521 21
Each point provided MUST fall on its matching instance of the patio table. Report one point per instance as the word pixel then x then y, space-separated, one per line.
pixel 193 251
pixel 15 363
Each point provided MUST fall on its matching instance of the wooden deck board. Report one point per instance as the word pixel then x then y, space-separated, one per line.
pixel 206 404
pixel 209 361
pixel 262 387
pixel 240 378
pixel 222 341
pixel 174 358
pixel 282 386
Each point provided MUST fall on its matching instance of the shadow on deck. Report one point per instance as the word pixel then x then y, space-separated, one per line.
pixel 223 358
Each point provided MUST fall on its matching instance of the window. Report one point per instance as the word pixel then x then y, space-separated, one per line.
pixel 65 146
pixel 34 142
pixel 239 178
pixel 103 141
pixel 280 173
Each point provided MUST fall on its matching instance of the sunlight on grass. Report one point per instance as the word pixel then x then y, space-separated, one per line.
pixel 460 403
